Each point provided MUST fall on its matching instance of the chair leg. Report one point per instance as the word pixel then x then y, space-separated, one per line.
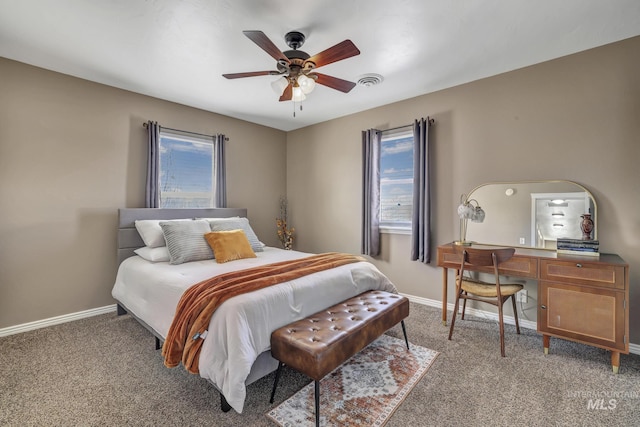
pixel 464 305
pixel 404 331
pixel 455 314
pixel 275 382
pixel 317 399
pixel 501 328
pixel 515 312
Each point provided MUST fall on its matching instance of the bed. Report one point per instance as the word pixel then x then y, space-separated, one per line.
pixel 235 352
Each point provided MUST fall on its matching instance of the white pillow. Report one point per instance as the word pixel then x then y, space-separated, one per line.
pixel 160 254
pixel 228 224
pixel 185 240
pixel 151 232
pixel 220 219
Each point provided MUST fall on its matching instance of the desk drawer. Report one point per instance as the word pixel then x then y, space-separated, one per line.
pixel 583 273
pixel 585 314
pixel 517 266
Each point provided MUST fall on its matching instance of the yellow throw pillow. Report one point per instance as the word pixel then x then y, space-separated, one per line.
pixel 229 245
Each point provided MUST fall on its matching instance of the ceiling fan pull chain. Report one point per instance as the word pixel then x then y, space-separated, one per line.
pixel 294 108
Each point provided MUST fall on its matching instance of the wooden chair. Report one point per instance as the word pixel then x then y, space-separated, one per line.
pixel 495 293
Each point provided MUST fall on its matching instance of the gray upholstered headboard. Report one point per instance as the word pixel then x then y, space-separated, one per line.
pixel 129 239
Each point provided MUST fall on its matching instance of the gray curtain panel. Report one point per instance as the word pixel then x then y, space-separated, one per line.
pixel 220 171
pixel 421 214
pixel 371 192
pixel 153 159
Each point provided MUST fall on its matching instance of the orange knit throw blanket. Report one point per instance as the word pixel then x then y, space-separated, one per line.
pixel 199 302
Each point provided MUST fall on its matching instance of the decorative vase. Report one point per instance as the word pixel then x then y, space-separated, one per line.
pixel 586 226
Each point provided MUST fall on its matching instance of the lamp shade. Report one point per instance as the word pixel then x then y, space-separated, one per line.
pixel 478 215
pixel 280 85
pixel 306 84
pixel 465 210
pixel 468 210
pixel 298 94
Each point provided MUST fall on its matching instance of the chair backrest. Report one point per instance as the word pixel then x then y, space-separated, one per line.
pixel 483 257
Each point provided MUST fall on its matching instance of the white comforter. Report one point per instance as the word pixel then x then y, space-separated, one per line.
pixel 241 327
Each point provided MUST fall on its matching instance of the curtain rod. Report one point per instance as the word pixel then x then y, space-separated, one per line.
pixel 185 131
pixel 431 121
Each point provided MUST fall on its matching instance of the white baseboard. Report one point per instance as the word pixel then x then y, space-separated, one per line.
pixel 633 348
pixel 529 324
pixel 11 330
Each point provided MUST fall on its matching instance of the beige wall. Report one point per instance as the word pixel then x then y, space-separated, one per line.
pixel 63 173
pixel 71 153
pixel 575 118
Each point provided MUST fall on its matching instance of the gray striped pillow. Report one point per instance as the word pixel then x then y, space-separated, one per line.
pixel 185 240
pixel 227 224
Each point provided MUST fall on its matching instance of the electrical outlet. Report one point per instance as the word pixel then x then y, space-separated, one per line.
pixel 522 240
pixel 522 296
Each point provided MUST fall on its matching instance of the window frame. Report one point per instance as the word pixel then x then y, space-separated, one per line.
pixel 395 227
pixel 191 138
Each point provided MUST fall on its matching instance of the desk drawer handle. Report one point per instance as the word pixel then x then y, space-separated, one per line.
pixel 544 307
pixel 579 265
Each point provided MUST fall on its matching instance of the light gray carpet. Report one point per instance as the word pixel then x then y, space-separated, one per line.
pixel 104 371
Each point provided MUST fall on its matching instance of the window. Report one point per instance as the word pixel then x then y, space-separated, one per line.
pixel 186 171
pixel 396 179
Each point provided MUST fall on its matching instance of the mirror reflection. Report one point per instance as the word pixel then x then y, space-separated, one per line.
pixel 531 213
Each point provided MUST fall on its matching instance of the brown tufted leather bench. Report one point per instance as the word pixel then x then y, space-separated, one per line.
pixel 323 341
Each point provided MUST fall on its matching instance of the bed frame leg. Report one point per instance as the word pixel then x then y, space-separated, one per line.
pixel 224 405
pixel 158 345
pixel 121 310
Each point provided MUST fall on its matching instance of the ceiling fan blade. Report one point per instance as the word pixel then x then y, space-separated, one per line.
pixel 250 74
pixel 287 95
pixel 335 83
pixel 343 50
pixel 259 38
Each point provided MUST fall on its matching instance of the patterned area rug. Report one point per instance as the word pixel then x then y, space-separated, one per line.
pixel 364 391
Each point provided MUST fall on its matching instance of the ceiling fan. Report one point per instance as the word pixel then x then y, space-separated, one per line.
pixel 297 68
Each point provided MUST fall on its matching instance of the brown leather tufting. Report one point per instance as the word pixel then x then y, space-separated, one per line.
pixel 320 343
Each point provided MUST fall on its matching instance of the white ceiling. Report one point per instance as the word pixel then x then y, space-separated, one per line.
pixel 177 50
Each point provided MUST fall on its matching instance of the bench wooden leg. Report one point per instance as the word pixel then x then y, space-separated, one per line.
pixel 275 383
pixel 317 398
pixel 404 331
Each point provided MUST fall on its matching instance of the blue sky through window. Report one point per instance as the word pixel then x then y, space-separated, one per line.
pixel 185 167
pixel 396 179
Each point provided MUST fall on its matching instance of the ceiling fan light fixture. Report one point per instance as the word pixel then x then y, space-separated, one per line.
pixel 298 94
pixel 295 66
pixel 306 84
pixel 280 85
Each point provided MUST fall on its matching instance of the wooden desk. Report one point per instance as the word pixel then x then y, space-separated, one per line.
pixel 580 298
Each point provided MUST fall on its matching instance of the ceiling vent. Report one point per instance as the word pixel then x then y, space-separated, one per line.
pixel 370 80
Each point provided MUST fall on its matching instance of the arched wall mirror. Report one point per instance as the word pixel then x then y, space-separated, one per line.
pixel 531 214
